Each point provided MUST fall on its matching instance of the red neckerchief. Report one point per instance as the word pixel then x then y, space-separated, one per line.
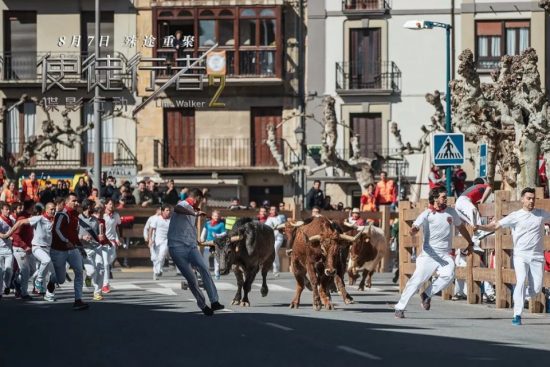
pixel 7 220
pixel 191 202
pixel 48 217
pixel 214 222
pixel 434 210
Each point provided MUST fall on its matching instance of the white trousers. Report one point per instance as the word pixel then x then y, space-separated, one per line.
pixel 159 252
pixel 467 211
pixel 108 255
pixel 93 265
pixel 531 269
pixel 277 261
pixel 44 262
pixel 426 265
pixel 22 258
pixel 6 268
pixel 206 257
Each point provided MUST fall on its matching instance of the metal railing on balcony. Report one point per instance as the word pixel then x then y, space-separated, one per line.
pixel 215 153
pixel 384 75
pixel 365 5
pixel 115 153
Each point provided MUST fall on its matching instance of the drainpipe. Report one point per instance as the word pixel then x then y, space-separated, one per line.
pixel 301 97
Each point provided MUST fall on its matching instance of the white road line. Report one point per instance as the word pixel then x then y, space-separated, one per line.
pixel 163 291
pixel 275 288
pixel 124 286
pixel 358 352
pixel 174 285
pixel 277 326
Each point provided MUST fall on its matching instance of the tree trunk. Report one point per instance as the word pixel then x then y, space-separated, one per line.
pixel 528 175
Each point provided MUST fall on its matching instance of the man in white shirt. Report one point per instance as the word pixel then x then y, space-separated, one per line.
pixel 6 252
pixel 182 245
pixel 437 223
pixel 158 239
pixel 527 226
pixel 274 220
pixel 41 244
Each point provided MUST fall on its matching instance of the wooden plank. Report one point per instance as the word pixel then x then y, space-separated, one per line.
pixel 484 275
pixel 503 295
pixel 461 272
pixel 473 288
pixel 385 265
pixel 486 209
pixel 508 276
pixel 408 268
pixel 404 255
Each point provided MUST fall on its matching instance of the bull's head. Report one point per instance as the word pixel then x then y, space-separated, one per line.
pixel 289 227
pixel 225 252
pixel 331 243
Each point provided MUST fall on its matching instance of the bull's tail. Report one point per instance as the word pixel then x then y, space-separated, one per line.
pixel 307 283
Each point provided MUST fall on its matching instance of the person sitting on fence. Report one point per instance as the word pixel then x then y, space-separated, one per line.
pixel 355 218
pixel 437 224
pixel 212 229
pixel 262 215
pixel 527 226
pixel 315 212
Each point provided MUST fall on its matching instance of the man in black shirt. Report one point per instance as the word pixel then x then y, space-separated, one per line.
pixel 315 196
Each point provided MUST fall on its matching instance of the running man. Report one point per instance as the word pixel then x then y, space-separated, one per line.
pixel 527 226
pixel 89 237
pixel 6 252
pixel 437 223
pixel 22 249
pixel 112 221
pixel 466 206
pixel 274 220
pixel 158 240
pixel 182 245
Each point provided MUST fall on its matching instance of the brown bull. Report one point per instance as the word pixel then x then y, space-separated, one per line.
pixel 366 254
pixel 316 251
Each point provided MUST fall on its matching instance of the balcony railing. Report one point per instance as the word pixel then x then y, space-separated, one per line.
pixel 382 76
pixel 115 153
pixel 354 6
pixel 215 153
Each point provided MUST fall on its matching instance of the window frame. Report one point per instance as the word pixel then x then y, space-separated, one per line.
pixel 236 48
pixel 503 40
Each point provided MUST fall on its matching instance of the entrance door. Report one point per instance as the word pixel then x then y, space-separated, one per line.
pixel 261 118
pixel 365 63
pixel 369 128
pixel 179 137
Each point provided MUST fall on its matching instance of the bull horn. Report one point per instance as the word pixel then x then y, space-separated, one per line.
pixel 348 224
pixel 297 224
pixel 235 239
pixel 346 237
pixel 317 237
pixel 208 243
pixel 281 226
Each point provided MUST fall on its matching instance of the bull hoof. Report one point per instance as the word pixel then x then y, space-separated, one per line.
pixel 245 304
pixel 329 306
pixel 361 288
pixel 294 305
pixel 349 300
pixel 236 302
pixel 264 291
pixel 317 307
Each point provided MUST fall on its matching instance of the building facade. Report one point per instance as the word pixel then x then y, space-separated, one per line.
pixel 380 72
pixel 222 148
pixel 46 47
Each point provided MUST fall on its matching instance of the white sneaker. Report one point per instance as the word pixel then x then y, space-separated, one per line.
pixel 155 276
pixel 476 243
pixel 276 274
pixel 49 297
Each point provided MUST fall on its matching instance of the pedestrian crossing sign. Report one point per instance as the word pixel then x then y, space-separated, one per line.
pixel 448 149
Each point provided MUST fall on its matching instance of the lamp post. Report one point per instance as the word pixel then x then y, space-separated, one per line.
pixel 97 108
pixel 426 24
pixel 300 134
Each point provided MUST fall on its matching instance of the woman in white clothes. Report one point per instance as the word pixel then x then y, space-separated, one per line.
pixel 158 239
pixel 274 220
pixel 527 226
pixel 112 221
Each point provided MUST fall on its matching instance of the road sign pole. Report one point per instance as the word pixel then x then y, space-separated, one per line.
pixel 448 125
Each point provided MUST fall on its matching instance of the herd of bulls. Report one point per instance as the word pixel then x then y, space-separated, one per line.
pixel 321 251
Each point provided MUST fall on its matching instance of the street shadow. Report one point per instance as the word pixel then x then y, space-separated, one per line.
pixel 163 331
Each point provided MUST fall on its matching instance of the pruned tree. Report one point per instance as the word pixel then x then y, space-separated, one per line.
pixel 46 144
pixel 362 169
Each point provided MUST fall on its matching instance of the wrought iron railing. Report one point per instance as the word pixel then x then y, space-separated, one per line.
pixel 384 75
pixel 365 5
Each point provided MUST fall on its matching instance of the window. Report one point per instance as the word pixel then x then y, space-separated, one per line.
pixel 20 124
pixel 106 29
pixel 20 45
pixel 251 36
pixel 498 38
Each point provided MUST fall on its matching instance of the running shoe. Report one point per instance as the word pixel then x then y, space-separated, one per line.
pixel 207 311
pixel 106 289
pixel 217 276
pixel 79 305
pixel 49 297
pixel 216 306
pixel 7 291
pixel 399 314
pixel 98 297
pixel 426 301
pixel 516 320
pixel 40 288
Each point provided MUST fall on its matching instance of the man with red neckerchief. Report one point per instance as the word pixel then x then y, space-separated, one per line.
pixel 182 245
pixel 6 252
pixel 437 223
pixel 22 247
pixel 66 247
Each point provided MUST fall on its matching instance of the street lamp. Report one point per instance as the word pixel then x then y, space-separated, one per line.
pixel 426 24
pixel 299 133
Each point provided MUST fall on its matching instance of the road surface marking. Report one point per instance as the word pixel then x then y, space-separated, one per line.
pixel 275 288
pixel 358 352
pixel 124 286
pixel 175 285
pixel 282 327
pixel 163 291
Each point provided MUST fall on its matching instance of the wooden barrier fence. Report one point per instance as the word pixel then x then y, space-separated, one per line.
pixel 502 276
pixel 141 215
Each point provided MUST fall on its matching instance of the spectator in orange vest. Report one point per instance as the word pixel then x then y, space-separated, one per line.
pixel 10 194
pixel 386 191
pixel 435 178
pixel 368 200
pixel 29 189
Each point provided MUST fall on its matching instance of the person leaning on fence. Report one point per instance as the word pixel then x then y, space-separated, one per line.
pixel 214 228
pixel 527 226
pixel 437 224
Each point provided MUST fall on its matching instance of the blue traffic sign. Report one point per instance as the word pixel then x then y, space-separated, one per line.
pixel 448 149
pixel 483 160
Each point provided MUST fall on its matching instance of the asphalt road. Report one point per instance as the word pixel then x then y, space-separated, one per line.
pixel 156 323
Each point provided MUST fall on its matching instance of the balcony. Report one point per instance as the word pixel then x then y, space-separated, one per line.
pixel 229 154
pixel 365 7
pixel 115 154
pixel 383 78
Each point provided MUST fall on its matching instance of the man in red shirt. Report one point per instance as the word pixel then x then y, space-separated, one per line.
pixel 466 206
pixel 66 247
pixel 22 247
pixel 386 191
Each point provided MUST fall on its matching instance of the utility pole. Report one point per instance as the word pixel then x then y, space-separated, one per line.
pixel 97 107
